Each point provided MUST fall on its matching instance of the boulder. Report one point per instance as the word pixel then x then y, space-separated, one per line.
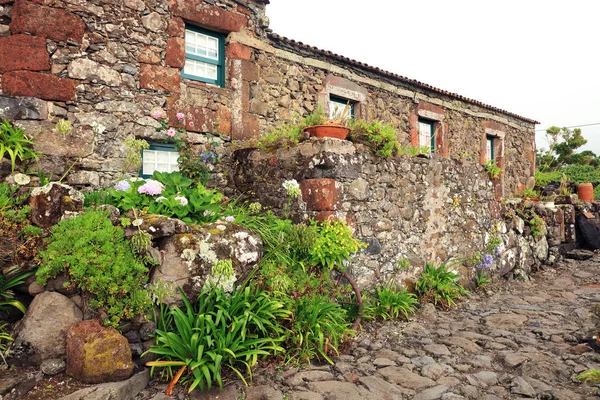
pixel 124 390
pixel 188 258
pixel 158 226
pixel 50 202
pixel 589 230
pixel 97 354
pixel 41 334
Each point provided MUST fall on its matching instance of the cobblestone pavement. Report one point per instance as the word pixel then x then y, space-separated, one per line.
pixel 515 340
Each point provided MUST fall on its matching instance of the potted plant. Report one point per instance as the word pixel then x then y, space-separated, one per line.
pixel 319 126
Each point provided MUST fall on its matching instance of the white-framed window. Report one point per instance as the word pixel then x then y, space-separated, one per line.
pixel 426 134
pixel 339 107
pixel 204 56
pixel 159 157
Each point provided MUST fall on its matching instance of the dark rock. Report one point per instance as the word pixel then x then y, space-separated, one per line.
pixel 589 232
pixel 50 202
pixel 374 246
pixel 53 366
pixel 23 108
pixel 580 254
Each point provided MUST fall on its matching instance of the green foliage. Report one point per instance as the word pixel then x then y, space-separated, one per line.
pixel 10 279
pixel 317 329
pixel 574 173
pixel 316 118
pixel 379 136
pixel 390 303
pixel 333 245
pixel 133 153
pixel 439 285
pixel 30 231
pixel 180 198
pixel 403 264
pixel 492 169
pixel 223 269
pixel 220 331
pixel 480 279
pixel 141 240
pixel 64 127
pixel 537 224
pixel 16 144
pixel 592 375
pixel 492 245
pixel 563 150
pixel 529 194
pixel 4 339
pixel 100 261
pixel 286 136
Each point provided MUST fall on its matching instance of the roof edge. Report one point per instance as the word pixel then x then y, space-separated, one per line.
pixel 381 72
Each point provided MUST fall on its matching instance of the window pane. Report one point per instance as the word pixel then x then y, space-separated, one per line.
pixel 200 69
pixel 202 45
pixel 159 160
pixel 337 109
pixel 489 152
pixel 425 134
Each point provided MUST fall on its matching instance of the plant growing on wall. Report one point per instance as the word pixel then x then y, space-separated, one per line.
pixel 492 169
pixel 15 143
pixel 379 136
pixel 192 163
pixel 99 261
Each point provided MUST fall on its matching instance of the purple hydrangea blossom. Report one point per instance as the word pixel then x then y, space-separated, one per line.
pixel 122 186
pixel 151 187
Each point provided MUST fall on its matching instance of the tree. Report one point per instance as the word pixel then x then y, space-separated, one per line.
pixel 563 150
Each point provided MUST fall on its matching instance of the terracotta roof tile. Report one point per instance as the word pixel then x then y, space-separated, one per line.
pixel 277 38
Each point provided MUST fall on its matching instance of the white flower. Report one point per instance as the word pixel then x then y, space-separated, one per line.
pixel 98 128
pixel 137 222
pixel 293 188
pixel 160 199
pixel 182 200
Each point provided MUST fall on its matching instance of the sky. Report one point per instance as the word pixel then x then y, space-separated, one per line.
pixel 534 58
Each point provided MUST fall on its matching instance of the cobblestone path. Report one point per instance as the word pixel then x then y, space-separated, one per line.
pixel 516 340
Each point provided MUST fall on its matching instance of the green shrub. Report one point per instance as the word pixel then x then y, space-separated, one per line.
pixel 15 143
pixel 220 331
pixel 333 245
pixel 317 329
pixel 390 303
pixel 172 195
pixel 492 169
pixel 439 285
pixel 379 136
pixel 286 136
pixel 99 261
pixel 592 375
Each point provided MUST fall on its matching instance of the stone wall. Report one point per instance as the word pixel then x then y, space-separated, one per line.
pixel 113 62
pixel 424 209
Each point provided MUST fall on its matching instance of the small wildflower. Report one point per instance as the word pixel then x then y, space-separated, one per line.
pixel 293 188
pixel 208 213
pixel 160 199
pixel 151 187
pixel 182 200
pixel 137 222
pixel 229 218
pixel 122 186
pixel 255 207
pixel 157 114
pixel 207 156
pixel 180 116
pixel 171 132
pixel 98 128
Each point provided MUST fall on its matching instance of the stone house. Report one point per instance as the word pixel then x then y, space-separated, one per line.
pixel 114 61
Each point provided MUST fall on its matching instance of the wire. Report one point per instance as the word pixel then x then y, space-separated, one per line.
pixel 574 126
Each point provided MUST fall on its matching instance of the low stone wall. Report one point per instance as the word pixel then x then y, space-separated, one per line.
pixel 423 209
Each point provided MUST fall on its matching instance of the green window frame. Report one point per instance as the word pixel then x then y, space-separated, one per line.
pixel 490 153
pixel 427 128
pixel 204 56
pixel 337 104
pixel 160 157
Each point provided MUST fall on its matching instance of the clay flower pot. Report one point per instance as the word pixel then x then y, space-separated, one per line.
pixel 332 131
pixel 585 191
